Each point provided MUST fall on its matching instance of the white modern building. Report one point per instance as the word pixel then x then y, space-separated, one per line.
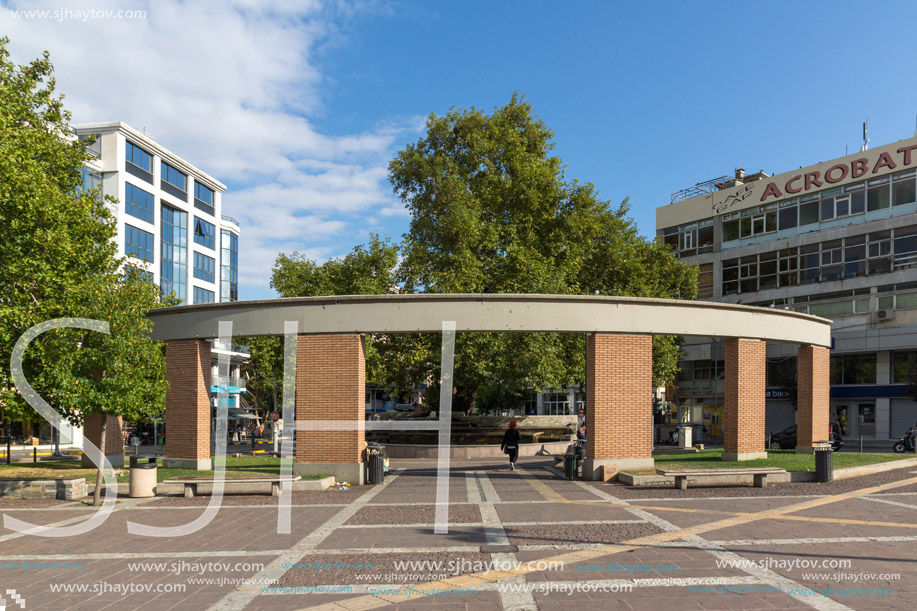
pixel 836 239
pixel 169 215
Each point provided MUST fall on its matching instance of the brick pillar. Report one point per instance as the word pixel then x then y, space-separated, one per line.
pixel 743 416
pixel 188 405
pixel 330 387
pixel 619 398
pixel 812 397
pixel 114 440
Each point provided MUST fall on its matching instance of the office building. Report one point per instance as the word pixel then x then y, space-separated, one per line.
pixel 837 239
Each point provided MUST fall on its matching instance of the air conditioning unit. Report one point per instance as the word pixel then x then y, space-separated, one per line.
pixel 885 314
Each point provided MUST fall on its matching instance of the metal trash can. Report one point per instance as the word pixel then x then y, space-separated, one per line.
pixel 376 468
pixel 580 450
pixel 143 473
pixel 571 466
pixel 824 461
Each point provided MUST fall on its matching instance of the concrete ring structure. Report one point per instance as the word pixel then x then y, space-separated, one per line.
pixel 330 364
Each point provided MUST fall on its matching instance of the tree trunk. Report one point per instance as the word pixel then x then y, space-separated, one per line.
pixel 96 497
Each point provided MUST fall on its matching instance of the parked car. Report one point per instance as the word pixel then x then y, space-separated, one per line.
pixel 786 439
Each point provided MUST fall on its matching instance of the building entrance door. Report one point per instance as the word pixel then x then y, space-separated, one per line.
pixel 866 419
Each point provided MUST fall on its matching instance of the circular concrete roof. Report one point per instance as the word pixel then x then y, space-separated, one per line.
pixel 491 312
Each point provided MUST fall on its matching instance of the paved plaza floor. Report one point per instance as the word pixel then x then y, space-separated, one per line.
pixel 527 539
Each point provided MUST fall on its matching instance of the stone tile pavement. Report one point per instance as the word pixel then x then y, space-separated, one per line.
pixel 515 540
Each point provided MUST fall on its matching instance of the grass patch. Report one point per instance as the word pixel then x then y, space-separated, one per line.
pixel 235 467
pixel 782 459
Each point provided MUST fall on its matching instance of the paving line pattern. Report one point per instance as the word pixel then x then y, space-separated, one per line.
pixel 667 536
pixel 274 571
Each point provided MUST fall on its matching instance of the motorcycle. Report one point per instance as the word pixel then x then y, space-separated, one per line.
pixel 907 442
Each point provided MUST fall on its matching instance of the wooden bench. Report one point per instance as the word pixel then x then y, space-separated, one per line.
pixel 681 475
pixel 191 483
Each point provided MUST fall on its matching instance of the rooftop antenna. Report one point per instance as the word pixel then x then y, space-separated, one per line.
pixel 915 126
pixel 865 135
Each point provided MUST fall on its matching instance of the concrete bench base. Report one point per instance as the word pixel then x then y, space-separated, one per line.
pixel 64 489
pixel 759 475
pixel 190 486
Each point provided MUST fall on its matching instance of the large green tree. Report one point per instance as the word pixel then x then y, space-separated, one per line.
pixel 492 212
pixel 58 259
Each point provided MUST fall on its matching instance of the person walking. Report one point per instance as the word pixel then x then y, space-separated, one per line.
pixel 510 444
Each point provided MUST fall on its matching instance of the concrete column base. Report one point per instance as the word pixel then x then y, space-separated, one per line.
pixel 744 455
pixel 116 460
pixel 352 473
pixel 198 464
pixel 592 467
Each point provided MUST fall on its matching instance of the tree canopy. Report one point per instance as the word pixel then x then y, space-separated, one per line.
pixel 58 259
pixel 492 212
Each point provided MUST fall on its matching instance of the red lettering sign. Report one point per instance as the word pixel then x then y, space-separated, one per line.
pixel 771 191
pixel 907 153
pixel 884 161
pixel 789 184
pixel 812 180
pixel 843 170
pixel 858 167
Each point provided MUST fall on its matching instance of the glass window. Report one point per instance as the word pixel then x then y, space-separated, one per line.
pixel 139 157
pixel 827 209
pixel 203 295
pixel 731 230
pixel 853 369
pixel 855 257
pixel 808 263
pixel 229 266
pixel 203 193
pixel 174 259
pixel 705 236
pixel 92 179
pixel 905 248
pixel 788 267
pixel 858 202
pixel 203 198
pixel 174 177
pixel 745 227
pixel 842 205
pixel 770 221
pixel 904 368
pixel 808 213
pixel 203 267
pixel 788 217
pixel 877 198
pixel 138 203
pixel 204 233
pixel 887 302
pixel 903 192
pixel 905 301
pixel 138 243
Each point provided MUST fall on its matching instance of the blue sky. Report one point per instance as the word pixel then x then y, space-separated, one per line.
pixel 299 106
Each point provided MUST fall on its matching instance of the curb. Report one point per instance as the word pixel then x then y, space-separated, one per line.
pixel 791 476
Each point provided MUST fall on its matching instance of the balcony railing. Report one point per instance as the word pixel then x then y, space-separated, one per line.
pixel 218 345
pixel 228 218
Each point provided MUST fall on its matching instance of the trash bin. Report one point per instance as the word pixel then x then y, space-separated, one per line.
pixel 570 466
pixel 376 455
pixel 143 476
pixel 581 451
pixel 824 462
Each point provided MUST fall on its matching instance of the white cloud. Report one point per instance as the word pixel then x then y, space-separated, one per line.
pixel 231 87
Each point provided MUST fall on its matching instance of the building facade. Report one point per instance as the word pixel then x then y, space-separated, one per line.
pixel 837 239
pixel 169 216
